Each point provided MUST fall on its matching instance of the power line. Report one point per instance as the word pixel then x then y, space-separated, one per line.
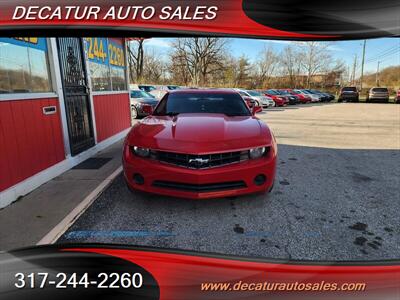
pixel 385 54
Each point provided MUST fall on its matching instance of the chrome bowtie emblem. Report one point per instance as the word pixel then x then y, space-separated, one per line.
pixel 198 162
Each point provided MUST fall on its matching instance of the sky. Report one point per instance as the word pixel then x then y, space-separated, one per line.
pixel 385 50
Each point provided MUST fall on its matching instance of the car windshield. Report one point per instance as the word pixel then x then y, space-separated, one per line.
pixel 349 89
pixel 230 104
pixel 147 88
pixel 254 93
pixel 384 90
pixel 272 92
pixel 141 94
pixel 173 87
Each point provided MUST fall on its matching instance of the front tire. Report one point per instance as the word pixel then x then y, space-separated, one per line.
pixel 134 113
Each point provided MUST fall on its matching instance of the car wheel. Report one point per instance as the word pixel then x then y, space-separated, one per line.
pixel 134 113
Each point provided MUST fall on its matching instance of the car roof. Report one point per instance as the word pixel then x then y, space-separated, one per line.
pixel 203 91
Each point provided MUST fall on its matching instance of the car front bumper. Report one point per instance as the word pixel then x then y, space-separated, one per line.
pixel 224 181
pixel 267 104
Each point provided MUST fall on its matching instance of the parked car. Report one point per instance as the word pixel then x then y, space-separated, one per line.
pixel 140 103
pixel 200 144
pixel 325 96
pixel 397 98
pixel 276 97
pixel 161 90
pixel 250 102
pixel 322 96
pixel 292 98
pixel 314 97
pixel 378 94
pixel 147 88
pixel 303 97
pixel 348 93
pixel 260 99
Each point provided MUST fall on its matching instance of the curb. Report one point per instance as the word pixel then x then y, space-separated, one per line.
pixel 54 234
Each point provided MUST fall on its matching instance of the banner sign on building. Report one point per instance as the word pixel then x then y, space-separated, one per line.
pixel 31 42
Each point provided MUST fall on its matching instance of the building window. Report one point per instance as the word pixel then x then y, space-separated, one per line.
pixel 100 75
pixel 106 64
pixel 24 66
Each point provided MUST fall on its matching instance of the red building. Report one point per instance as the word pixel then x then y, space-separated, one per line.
pixel 61 101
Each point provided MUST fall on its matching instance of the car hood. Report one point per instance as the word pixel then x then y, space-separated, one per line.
pixel 200 133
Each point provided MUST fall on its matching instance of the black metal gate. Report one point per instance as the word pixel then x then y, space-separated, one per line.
pixel 76 94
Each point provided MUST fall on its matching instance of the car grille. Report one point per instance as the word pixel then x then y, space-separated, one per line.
pixel 200 188
pixel 194 161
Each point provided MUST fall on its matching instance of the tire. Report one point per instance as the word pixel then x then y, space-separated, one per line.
pixel 134 113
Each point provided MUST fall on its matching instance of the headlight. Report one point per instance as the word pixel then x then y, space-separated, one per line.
pixel 256 152
pixel 143 152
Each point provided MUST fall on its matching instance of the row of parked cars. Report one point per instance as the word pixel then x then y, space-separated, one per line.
pixel 282 97
pixel 375 94
pixel 143 96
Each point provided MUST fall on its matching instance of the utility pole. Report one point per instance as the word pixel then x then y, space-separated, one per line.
pixel 377 74
pixel 362 66
pixel 353 76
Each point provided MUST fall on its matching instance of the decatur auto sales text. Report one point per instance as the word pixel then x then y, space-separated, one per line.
pixel 71 12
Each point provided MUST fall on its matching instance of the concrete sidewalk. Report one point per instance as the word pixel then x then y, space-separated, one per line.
pixel 28 220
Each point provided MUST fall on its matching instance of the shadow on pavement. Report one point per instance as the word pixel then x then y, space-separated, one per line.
pixel 327 204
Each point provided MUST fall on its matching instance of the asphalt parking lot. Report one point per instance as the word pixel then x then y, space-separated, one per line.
pixel 336 197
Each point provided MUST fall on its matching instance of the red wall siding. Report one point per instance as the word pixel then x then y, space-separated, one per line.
pixel 29 140
pixel 112 113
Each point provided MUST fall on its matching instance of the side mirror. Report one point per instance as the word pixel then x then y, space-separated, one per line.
pixel 256 109
pixel 148 109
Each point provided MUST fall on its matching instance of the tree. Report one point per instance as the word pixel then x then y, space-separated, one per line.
pixel 315 56
pixel 291 64
pixel 199 57
pixel 242 72
pixel 265 66
pixel 154 68
pixel 136 59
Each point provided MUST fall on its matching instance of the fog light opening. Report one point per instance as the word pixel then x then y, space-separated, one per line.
pixel 260 179
pixel 138 179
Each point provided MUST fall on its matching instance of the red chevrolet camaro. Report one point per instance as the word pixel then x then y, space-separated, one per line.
pixel 200 144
